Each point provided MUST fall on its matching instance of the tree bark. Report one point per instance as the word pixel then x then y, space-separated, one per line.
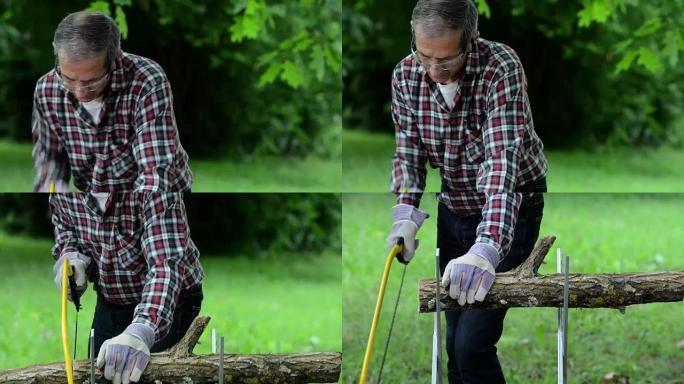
pixel 179 366
pixel 524 287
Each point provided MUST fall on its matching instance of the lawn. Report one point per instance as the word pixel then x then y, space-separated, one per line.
pixel 367 162
pixel 601 233
pixel 263 174
pixel 260 305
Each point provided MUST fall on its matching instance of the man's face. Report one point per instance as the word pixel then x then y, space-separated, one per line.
pixel 85 79
pixel 442 57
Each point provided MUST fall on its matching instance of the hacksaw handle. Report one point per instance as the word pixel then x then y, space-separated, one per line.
pixel 74 292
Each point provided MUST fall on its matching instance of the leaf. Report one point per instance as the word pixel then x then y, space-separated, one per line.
pixel 267 57
pixel 291 74
pixel 649 59
pixel 121 22
pixel 671 46
pixel 317 61
pixel 623 45
pixel 250 23
pixel 596 10
pixel 270 75
pixel 333 59
pixel 99 6
pixel 303 44
pixel 124 3
pixel 625 62
pixel 483 8
pixel 649 27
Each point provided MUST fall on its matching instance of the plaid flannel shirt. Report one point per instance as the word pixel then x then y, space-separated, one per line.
pixel 134 148
pixel 485 147
pixel 140 245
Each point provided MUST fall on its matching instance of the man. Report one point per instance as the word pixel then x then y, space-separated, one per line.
pixel 137 251
pixel 460 102
pixel 104 117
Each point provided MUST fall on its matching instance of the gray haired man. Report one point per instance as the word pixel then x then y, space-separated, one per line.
pixel 104 117
pixel 460 102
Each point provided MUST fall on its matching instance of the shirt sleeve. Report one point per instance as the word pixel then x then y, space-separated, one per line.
pixel 503 133
pixel 502 137
pixel 50 158
pixel 156 140
pixel 499 215
pixel 66 240
pixel 164 240
pixel 409 170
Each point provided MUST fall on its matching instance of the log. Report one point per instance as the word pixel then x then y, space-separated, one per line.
pixel 524 287
pixel 179 366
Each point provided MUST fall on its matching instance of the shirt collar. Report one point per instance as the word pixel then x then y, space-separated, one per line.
pixel 119 82
pixel 474 60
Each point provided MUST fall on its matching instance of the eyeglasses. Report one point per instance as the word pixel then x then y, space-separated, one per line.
pixel 445 66
pixel 92 86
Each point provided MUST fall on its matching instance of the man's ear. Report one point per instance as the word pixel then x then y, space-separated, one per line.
pixel 118 57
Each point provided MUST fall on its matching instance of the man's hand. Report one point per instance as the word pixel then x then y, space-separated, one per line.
pixel 471 276
pixel 125 357
pixel 79 263
pixel 407 219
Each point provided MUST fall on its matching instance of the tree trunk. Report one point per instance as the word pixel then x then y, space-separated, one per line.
pixel 179 365
pixel 523 287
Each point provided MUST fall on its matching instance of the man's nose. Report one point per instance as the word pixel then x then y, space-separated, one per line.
pixel 435 72
pixel 81 94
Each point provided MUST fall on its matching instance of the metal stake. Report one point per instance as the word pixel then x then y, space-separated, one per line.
pixel 213 341
pixel 437 335
pixel 559 341
pixel 566 296
pixel 92 356
pixel 221 363
pixel 562 344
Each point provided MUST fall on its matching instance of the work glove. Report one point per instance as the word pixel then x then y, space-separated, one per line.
pixel 407 219
pixel 471 276
pixel 79 263
pixel 125 357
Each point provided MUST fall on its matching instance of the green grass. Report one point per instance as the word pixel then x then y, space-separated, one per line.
pixel 260 305
pixel 602 233
pixel 262 174
pixel 367 162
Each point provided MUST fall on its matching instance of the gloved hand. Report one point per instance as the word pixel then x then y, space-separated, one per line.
pixel 407 220
pixel 470 276
pixel 125 357
pixel 79 263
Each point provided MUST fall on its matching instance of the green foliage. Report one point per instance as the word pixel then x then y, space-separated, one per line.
pixel 483 8
pixel 25 213
pixel 119 15
pixel 276 222
pixel 655 42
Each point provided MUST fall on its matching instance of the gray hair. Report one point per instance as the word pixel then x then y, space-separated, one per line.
pixel 438 18
pixel 84 35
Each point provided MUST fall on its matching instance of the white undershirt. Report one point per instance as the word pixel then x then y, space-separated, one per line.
pixel 449 91
pixel 101 199
pixel 94 107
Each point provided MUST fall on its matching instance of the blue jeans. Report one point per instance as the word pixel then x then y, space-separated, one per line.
pixel 472 335
pixel 111 320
